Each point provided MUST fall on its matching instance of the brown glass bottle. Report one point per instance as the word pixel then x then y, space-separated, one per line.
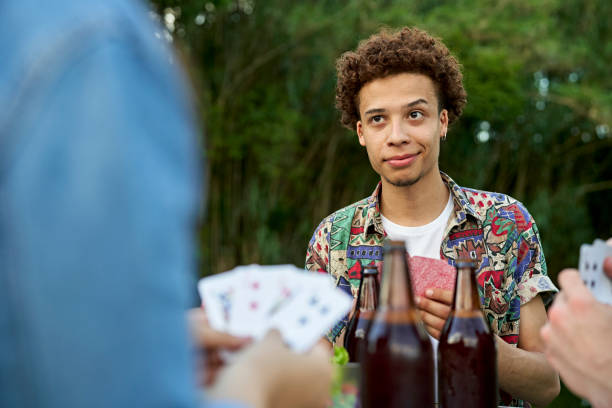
pixel 397 363
pixel 367 300
pixel 467 358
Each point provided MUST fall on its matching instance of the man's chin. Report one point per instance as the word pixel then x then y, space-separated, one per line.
pixel 403 182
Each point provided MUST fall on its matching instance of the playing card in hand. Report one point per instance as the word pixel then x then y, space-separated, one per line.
pixel 217 293
pixel 591 271
pixel 308 316
pixel 426 273
pixel 250 300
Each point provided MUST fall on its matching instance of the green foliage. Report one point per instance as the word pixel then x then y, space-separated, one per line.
pixel 537 123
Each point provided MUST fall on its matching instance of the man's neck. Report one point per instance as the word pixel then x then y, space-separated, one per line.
pixel 417 204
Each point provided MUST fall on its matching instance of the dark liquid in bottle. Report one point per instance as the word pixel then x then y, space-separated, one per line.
pixel 398 366
pixel 357 332
pixel 468 369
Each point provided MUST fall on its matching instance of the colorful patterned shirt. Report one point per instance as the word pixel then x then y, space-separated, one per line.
pixel 493 229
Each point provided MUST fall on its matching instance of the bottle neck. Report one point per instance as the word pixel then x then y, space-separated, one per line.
pixel 466 292
pixel 396 291
pixel 369 294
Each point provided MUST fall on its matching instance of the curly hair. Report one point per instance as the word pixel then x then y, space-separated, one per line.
pixel 387 53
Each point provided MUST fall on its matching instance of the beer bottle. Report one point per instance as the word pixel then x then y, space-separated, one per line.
pixel 367 300
pixel 467 361
pixel 397 365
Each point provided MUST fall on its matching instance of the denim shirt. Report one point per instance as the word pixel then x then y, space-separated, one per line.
pixel 99 185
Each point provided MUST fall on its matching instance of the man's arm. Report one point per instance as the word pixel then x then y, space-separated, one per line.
pixel 577 338
pixel 524 371
pixel 99 202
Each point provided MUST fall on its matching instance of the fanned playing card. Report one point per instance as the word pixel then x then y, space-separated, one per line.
pixel 591 271
pixel 309 315
pixel 250 300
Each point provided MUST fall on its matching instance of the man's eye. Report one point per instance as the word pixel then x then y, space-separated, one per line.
pixel 415 115
pixel 377 119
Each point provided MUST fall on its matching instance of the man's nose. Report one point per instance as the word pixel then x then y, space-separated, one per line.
pixel 399 133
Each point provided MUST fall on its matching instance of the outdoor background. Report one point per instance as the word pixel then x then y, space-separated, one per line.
pixel 537 123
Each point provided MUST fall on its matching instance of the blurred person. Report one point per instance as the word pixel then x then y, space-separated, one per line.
pixel 578 336
pixel 100 182
pixel 400 91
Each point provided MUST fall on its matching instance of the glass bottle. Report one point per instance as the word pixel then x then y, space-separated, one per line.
pixel 397 365
pixel 367 300
pixel 467 358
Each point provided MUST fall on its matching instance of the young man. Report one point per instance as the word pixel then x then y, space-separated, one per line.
pixel 400 92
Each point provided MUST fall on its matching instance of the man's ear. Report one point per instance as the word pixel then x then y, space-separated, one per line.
pixel 359 128
pixel 443 123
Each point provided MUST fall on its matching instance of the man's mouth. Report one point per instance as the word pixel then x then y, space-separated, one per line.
pixel 401 160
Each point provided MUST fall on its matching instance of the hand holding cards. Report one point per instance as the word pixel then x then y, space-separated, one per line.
pixel 250 300
pixel 591 270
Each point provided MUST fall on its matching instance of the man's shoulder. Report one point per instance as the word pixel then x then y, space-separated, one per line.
pixel 494 207
pixel 60 32
pixel 345 215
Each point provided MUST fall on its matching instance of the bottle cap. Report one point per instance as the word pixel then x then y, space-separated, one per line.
pixel 370 270
pixel 465 263
pixel 389 245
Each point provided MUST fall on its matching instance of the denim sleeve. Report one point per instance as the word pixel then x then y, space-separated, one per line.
pixel 99 202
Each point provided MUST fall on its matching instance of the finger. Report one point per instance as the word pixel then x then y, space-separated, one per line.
pixel 571 283
pixel 207 337
pixel 433 321
pixel 436 308
pixel 440 295
pixel 564 362
pixel 607 266
pixel 326 343
pixel 435 333
pixel 197 316
pixel 322 347
pixel 213 365
pixel 213 339
pixel 353 309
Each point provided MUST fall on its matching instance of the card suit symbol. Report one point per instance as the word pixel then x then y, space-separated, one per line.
pixel 285 292
pixel 302 321
pixel 253 305
pixel 255 285
pixel 324 310
pixel 313 301
pixel 586 266
pixel 594 267
pixel 592 283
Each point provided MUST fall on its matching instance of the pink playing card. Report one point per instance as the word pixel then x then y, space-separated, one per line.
pixel 426 273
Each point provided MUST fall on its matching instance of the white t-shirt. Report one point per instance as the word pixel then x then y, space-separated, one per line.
pixel 424 240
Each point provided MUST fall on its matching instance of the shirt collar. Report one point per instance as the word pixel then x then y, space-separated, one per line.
pixel 462 207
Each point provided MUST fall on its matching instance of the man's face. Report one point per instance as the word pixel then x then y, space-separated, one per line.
pixel 400 126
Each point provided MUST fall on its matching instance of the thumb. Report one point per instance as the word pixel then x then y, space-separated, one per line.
pixel 213 339
pixel 607 266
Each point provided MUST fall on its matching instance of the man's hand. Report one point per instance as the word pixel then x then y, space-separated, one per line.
pixel 435 308
pixel 211 342
pixel 268 374
pixel 577 338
